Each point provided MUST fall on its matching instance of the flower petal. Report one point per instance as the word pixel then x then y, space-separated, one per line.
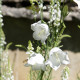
pixel 41 31
pixel 57 57
pixel 36 61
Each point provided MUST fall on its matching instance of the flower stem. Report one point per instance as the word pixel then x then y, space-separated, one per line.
pixel 41 10
pixel 42 73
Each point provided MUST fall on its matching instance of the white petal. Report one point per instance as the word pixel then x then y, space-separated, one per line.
pixel 27 65
pixel 30 52
pixel 35 36
pixel 54 50
pixel 43 41
pixel 36 61
pixel 65 62
pixel 33 26
pixel 39 67
pixel 36 67
pixel 43 67
pixel 55 67
pixel 57 57
pixel 64 58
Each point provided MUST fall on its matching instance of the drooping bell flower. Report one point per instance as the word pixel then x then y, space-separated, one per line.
pixel 56 58
pixel 41 31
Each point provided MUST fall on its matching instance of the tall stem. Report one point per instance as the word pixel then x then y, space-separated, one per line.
pixel 2 37
pixel 42 73
pixel 41 10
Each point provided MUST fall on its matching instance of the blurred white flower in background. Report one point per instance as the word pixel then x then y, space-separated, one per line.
pixel 7 72
pixel 30 52
pixel 56 58
pixel 55 13
pixel 36 61
pixel 41 31
pixel 1 20
pixel 78 3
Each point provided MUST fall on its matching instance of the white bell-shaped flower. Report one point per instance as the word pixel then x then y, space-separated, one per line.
pixel 41 31
pixel 36 61
pixel 57 57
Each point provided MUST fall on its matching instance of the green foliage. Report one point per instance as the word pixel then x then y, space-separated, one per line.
pixel 8 45
pixel 30 46
pixel 79 26
pixel 78 78
pixel 31 1
pixel 38 49
pixel 33 7
pixel 65 11
pixel 65 35
pixel 21 46
pixel 54 40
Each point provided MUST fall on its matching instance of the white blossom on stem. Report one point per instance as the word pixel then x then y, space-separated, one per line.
pixel 41 31
pixel 36 61
pixel 55 13
pixel 57 57
pixel 7 72
pixel 65 73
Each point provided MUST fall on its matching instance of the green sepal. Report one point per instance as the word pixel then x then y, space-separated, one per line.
pixel 38 49
pixel 65 11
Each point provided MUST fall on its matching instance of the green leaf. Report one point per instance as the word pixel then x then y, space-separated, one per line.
pixel 78 78
pixel 31 1
pixel 65 11
pixel 21 46
pixel 8 45
pixel 65 35
pixel 79 26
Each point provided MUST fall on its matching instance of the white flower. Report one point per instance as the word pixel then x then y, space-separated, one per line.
pixel 65 77
pixel 1 16
pixel 41 31
pixel 44 7
pixel 41 6
pixel 36 61
pixel 57 57
pixel 65 73
pixel 30 52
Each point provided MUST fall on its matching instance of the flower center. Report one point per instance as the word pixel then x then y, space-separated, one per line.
pixel 41 32
pixel 57 57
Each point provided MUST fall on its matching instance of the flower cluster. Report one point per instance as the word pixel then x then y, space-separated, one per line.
pixel 41 32
pixel 65 73
pixel 1 20
pixel 55 13
pixel 2 40
pixel 7 73
pixel 36 60
pixel 56 58
pixel 50 33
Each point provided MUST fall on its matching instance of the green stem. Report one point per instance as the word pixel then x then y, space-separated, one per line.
pixel 49 74
pixel 42 73
pixel 41 10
